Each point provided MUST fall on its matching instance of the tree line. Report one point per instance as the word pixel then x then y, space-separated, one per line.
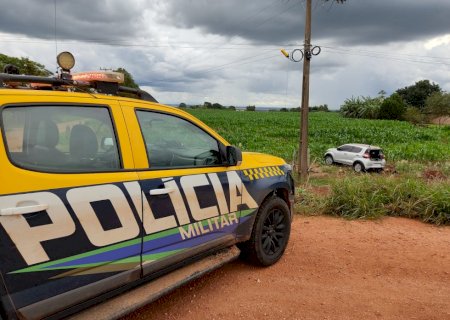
pixel 416 103
pixel 207 105
pixel 322 107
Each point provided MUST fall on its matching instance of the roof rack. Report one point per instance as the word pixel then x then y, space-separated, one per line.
pixel 6 78
pixel 141 94
pixel 56 83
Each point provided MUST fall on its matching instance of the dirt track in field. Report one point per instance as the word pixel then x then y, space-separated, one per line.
pixel 392 268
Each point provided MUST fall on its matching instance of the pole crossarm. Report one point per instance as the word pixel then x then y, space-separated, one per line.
pixel 297 55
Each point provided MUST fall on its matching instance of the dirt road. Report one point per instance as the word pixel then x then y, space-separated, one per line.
pixel 333 269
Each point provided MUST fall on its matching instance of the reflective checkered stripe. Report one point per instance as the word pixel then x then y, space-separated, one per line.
pixel 263 172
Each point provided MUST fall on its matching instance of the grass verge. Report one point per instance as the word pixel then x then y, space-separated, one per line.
pixel 369 197
pixel 420 193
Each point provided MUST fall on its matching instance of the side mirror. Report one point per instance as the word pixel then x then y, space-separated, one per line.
pixel 234 156
pixel 107 143
pixel 339 149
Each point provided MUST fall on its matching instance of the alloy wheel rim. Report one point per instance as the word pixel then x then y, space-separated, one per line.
pixel 273 232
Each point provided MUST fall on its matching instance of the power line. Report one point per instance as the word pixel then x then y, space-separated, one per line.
pixel 243 61
pixel 235 63
pixel 238 62
pixel 260 24
pixel 257 13
pixel 194 45
pixel 239 34
pixel 232 63
pixel 280 13
pixel 200 45
pixel 386 57
pixel 384 52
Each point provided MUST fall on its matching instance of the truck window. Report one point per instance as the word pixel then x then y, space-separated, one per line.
pixel 61 138
pixel 175 142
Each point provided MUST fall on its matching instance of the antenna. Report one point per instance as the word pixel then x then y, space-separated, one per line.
pixel 56 41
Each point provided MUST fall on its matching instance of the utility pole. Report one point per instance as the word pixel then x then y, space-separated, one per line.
pixel 303 150
pixel 296 56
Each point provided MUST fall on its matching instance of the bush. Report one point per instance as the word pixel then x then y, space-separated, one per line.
pixel 370 197
pixel 322 107
pixel 417 94
pixel 438 104
pixel 414 116
pixel 362 107
pixel 392 108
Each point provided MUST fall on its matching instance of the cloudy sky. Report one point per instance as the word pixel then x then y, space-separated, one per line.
pixel 228 51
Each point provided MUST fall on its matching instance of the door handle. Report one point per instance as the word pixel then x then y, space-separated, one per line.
pixel 23 210
pixel 158 192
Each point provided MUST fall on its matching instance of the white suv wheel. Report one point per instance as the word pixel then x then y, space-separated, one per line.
pixel 329 160
pixel 358 167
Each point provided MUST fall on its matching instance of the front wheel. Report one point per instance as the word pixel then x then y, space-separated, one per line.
pixel 329 160
pixel 270 233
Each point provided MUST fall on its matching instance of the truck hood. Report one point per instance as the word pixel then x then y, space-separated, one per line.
pixel 255 159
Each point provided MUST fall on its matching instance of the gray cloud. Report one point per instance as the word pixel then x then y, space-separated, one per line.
pixel 76 20
pixel 157 72
pixel 355 22
pixel 227 51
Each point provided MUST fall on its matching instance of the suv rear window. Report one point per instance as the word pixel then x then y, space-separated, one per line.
pixel 60 138
pixel 375 154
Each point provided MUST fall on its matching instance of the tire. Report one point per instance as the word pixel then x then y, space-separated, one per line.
pixel 358 167
pixel 270 233
pixel 329 160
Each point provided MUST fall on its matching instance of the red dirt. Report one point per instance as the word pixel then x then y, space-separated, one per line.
pixel 441 121
pixel 433 174
pixel 392 268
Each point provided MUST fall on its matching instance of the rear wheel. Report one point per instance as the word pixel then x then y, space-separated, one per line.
pixel 358 167
pixel 329 160
pixel 270 233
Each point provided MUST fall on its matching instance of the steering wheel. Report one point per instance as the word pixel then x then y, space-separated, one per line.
pixel 206 158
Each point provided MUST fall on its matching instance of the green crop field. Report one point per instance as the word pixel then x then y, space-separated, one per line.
pixel 277 133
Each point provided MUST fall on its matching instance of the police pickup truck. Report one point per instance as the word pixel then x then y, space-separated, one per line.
pixel 103 191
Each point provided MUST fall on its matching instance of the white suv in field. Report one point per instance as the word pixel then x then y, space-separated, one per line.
pixel 361 156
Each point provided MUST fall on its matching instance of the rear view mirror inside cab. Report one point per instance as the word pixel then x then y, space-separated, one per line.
pixel 107 143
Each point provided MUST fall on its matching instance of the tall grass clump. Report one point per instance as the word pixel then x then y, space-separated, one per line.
pixel 370 197
pixel 308 203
